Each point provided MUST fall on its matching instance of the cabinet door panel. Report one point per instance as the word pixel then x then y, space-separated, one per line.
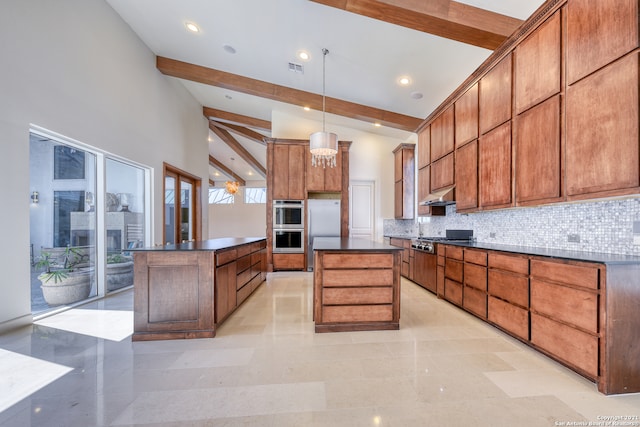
pixel 494 165
pixel 453 292
pixel 602 130
pixel 538 152
pixel 424 182
pixel 572 306
pixel 513 319
pixel 475 276
pixel 442 134
pixel 315 175
pixel 466 115
pixel 442 173
pixel 598 32
pixel 297 157
pixel 495 96
pixel 333 176
pixel 424 147
pixel 466 176
pixel 280 172
pixel 509 287
pixel 475 301
pixel 537 65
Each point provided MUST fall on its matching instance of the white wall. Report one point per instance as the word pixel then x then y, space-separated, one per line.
pixel 238 219
pixel 370 157
pixel 75 68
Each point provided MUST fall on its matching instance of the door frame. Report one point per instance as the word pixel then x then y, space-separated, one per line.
pixel 196 200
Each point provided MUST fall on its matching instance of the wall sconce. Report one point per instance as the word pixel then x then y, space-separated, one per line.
pixel 34 197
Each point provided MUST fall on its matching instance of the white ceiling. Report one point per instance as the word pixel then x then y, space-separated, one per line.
pixel 366 57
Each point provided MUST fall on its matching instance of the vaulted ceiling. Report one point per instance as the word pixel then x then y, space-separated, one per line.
pixel 243 64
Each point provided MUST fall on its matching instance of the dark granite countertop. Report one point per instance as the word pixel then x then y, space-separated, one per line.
pixel 340 244
pixel 203 245
pixel 600 257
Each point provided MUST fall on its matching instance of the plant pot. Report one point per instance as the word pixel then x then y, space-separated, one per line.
pixel 119 275
pixel 73 288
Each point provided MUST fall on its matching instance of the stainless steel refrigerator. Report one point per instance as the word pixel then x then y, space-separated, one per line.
pixel 324 221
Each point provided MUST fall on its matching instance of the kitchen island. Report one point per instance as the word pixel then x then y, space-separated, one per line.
pixel 356 285
pixel 186 290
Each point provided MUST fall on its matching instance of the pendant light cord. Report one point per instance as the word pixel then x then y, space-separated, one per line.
pixel 324 66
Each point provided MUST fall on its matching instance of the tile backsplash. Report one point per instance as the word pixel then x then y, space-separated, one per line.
pixel 610 226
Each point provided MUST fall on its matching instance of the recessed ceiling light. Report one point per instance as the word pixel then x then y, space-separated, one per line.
pixel 229 49
pixel 304 55
pixel 404 81
pixel 216 174
pixel 376 124
pixel 307 109
pixel 192 27
pixel 416 95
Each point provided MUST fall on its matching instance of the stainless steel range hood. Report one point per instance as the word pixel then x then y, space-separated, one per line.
pixel 443 197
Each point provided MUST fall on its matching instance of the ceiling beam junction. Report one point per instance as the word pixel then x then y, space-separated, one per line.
pixel 227 171
pixel 228 139
pixel 242 131
pixel 252 122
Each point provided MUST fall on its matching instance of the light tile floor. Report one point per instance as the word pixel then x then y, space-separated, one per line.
pixel 267 367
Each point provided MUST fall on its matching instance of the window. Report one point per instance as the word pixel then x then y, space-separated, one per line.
pixel 220 196
pixel 255 195
pixel 68 163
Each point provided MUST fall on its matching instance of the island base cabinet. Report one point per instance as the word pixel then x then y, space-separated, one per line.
pixel 576 348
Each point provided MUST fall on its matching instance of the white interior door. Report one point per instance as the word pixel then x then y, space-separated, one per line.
pixel 361 209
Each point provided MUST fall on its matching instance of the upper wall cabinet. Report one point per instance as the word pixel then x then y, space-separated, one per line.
pixel 598 32
pixel 466 168
pixel 442 134
pixel 602 132
pixel 424 147
pixel 537 65
pixel 495 96
pixel 324 179
pixel 494 165
pixel 404 173
pixel 288 173
pixel 538 153
pixel 466 116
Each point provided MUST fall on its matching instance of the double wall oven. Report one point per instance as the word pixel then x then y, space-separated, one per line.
pixel 288 226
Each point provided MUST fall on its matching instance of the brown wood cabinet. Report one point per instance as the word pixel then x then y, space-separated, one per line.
pixel 495 96
pixel 537 65
pixel 453 275
pixel 288 261
pixel 442 135
pixel 324 179
pixel 475 282
pixel 425 270
pixel 466 172
pixel 356 289
pixel 466 117
pixel 537 136
pixel 604 107
pixel 598 33
pixel 404 174
pixel 406 267
pixel 494 168
pixel 424 147
pixel 186 290
pixel 443 172
pixel 288 172
pixel 508 290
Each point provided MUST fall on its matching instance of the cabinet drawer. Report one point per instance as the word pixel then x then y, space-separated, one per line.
pixel 288 261
pixel 453 269
pixel 243 293
pixel 585 276
pixel 405 269
pixel 244 250
pixel 350 260
pixel 226 256
pixel 255 258
pixel 395 241
pixel 441 260
pixel 475 276
pixel 353 296
pixel 566 343
pixel 453 292
pixel 371 277
pixel 475 301
pixel 242 278
pixel 510 287
pixel 509 317
pixel 357 313
pixel 511 263
pixel 255 246
pixel 475 257
pixel 455 252
pixel 243 263
pixel 569 305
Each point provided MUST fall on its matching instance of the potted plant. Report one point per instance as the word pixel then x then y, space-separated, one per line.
pixel 119 271
pixel 67 275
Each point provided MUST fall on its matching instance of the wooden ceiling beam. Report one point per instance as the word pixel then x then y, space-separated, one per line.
pixel 213 114
pixel 247 133
pixel 226 137
pixel 200 74
pixel 444 18
pixel 219 165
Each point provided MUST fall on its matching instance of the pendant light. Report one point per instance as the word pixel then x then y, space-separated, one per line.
pixel 232 186
pixel 323 145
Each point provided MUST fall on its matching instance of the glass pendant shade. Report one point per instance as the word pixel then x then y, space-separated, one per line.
pixel 232 186
pixel 323 147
